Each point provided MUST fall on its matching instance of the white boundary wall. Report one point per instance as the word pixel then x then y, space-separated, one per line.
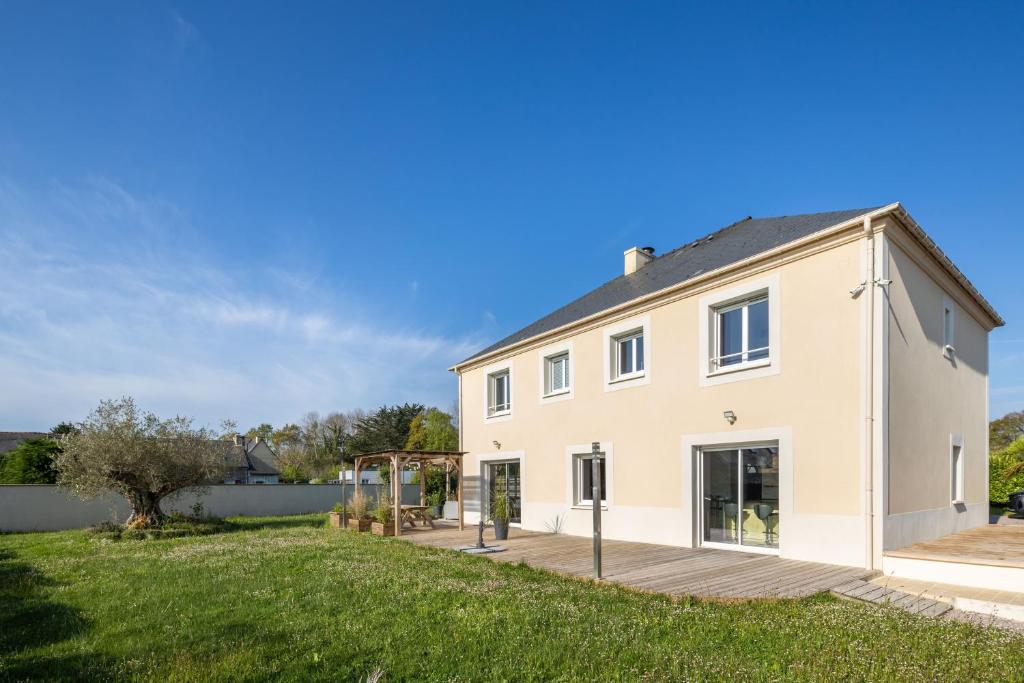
pixel 48 508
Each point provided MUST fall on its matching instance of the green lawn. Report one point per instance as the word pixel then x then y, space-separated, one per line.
pixel 290 599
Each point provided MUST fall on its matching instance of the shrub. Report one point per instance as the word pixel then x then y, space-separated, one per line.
pixel 337 508
pixel 1006 472
pixel 30 463
pixel 384 512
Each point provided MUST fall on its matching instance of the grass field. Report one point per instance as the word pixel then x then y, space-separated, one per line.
pixel 286 598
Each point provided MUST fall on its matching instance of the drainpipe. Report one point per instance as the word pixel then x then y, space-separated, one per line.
pixel 869 400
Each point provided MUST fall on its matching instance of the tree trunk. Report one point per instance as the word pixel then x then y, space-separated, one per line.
pixel 145 504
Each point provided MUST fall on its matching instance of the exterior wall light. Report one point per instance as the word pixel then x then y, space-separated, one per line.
pixel 497 445
pixel 730 416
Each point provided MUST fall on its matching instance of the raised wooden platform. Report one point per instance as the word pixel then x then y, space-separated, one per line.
pixel 701 572
pixel 994 544
pixel 990 557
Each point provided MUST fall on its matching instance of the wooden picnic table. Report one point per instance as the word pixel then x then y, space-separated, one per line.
pixel 411 513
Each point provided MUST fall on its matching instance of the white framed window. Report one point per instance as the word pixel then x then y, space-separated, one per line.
pixel 948 328
pixel 740 332
pixel 499 392
pixel 627 353
pixel 556 374
pixel 583 480
pixel 956 469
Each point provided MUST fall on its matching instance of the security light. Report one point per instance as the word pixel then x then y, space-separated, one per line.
pixel 730 416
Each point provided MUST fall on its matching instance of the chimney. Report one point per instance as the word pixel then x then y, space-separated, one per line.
pixel 239 440
pixel 637 258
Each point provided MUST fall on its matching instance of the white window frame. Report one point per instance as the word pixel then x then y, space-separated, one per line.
pixel 714 362
pixel 710 308
pixel 489 373
pixel 573 478
pixel 544 356
pixel 948 327
pixel 631 338
pixel 957 470
pixel 612 336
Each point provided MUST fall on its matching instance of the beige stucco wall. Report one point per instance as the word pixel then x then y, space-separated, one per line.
pixel 932 396
pixel 817 394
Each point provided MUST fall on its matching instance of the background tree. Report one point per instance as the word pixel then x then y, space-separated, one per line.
pixel 228 430
pixel 138 455
pixel 385 429
pixel 289 435
pixel 31 462
pixel 432 430
pixel 63 429
pixel 1006 472
pixel 1005 430
pixel 262 432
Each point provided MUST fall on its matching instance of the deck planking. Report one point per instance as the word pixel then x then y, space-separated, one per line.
pixel 701 572
pixel 993 544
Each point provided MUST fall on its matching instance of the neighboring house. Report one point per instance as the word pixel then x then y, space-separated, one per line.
pixel 249 462
pixel 812 386
pixel 373 477
pixel 11 440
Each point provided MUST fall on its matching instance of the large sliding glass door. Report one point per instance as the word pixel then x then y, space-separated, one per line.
pixel 740 496
pixel 504 477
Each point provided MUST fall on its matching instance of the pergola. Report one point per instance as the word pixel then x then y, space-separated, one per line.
pixel 398 460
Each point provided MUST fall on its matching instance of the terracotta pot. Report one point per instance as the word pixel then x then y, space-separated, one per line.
pixel 381 529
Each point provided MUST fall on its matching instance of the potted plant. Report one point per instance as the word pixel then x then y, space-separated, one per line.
pixel 384 516
pixel 335 516
pixel 499 515
pixel 358 518
pixel 436 502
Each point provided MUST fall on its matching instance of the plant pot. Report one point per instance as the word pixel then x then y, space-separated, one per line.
pixel 500 529
pixel 451 509
pixel 335 519
pixel 381 529
pixel 435 511
pixel 359 524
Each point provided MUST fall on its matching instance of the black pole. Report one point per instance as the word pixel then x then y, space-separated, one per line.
pixel 595 497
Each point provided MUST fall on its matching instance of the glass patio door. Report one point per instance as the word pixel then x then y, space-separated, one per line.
pixel 740 496
pixel 504 477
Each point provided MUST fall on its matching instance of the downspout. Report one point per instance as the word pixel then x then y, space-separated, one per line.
pixel 869 400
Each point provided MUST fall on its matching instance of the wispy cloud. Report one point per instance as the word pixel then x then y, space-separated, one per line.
pixel 104 293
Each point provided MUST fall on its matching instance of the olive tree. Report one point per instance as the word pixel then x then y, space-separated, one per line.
pixel 137 454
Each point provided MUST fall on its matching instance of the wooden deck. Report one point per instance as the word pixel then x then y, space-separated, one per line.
pixel 1000 545
pixel 701 572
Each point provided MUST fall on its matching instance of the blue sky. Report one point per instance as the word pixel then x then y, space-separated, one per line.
pixel 250 211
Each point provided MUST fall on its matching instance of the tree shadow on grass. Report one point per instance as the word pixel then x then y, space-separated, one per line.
pixel 315 521
pixel 29 619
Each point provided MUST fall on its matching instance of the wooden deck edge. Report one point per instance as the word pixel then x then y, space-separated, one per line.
pixel 953 559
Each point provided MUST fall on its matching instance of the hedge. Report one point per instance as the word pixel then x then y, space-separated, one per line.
pixel 999 485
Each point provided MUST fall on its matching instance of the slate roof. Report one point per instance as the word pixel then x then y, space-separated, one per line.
pixel 238 457
pixel 11 440
pixel 743 239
